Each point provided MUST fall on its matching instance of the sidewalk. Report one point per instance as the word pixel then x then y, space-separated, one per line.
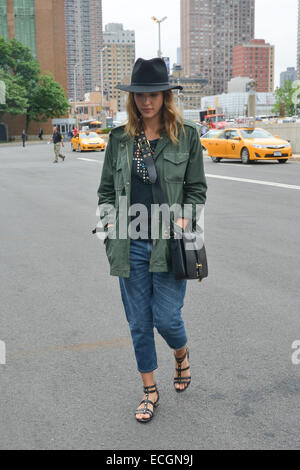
pixel 20 144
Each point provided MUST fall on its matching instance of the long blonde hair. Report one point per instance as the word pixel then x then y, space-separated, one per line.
pixel 170 117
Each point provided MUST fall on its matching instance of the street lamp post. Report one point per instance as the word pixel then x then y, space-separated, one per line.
pixel 102 85
pixel 159 33
pixel 102 82
pixel 75 94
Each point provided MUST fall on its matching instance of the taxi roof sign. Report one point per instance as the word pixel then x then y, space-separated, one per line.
pixel 246 122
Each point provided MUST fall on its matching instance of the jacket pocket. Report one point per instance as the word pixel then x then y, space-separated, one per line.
pixel 175 166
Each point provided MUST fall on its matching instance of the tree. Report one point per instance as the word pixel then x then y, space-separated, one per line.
pixel 40 95
pixel 47 101
pixel 288 95
pixel 17 60
pixel 15 95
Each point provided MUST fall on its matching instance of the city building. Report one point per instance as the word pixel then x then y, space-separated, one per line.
pixel 84 43
pixel 92 107
pixel 235 105
pixel 210 29
pixel 36 24
pixel 289 74
pixel 255 60
pixel 118 61
pixel 194 88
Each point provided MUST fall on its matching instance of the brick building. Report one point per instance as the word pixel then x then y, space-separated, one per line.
pixel 37 24
pixel 255 60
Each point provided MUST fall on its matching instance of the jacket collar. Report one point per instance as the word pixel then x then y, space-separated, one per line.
pixel 161 144
pixel 127 156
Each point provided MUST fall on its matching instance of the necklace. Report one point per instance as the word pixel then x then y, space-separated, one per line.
pixel 141 168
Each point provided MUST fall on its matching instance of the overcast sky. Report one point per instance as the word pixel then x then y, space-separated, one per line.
pixel 276 22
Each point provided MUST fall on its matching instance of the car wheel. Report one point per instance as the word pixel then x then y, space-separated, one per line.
pixel 283 160
pixel 245 157
pixel 216 159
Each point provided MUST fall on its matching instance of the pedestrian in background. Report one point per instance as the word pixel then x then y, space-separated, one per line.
pixel 41 132
pixel 151 295
pixel 204 128
pixel 58 142
pixel 24 137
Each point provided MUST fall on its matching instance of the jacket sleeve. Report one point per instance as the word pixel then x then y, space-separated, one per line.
pixel 106 190
pixel 195 186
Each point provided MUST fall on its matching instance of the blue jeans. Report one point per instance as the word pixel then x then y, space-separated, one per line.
pixel 151 300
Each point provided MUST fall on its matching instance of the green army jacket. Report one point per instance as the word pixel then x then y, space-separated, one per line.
pixel 181 174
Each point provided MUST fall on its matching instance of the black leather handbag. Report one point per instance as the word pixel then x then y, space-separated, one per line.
pixel 189 260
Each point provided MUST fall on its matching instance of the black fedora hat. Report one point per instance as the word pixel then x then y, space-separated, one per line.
pixel 148 76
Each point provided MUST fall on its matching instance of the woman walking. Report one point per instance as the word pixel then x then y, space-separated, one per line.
pixel 151 296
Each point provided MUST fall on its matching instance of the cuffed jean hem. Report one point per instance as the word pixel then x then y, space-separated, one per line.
pixel 181 347
pixel 147 371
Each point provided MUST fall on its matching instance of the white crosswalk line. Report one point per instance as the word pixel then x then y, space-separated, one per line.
pixel 236 164
pixel 88 159
pixel 246 180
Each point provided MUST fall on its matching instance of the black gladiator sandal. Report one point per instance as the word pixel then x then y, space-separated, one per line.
pixel 182 380
pixel 146 410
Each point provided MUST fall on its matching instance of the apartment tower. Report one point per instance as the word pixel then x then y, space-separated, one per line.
pixel 118 60
pixel 256 61
pixel 84 43
pixel 210 29
pixel 289 74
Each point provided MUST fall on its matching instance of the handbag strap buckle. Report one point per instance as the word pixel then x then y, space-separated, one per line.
pixel 198 268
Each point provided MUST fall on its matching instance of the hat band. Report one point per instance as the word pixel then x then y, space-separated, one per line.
pixel 150 84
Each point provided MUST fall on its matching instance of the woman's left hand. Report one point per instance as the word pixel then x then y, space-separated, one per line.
pixel 182 222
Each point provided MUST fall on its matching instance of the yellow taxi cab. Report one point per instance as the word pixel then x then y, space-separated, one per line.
pixel 246 144
pixel 86 141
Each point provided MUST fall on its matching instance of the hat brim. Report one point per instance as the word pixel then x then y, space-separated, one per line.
pixel 147 88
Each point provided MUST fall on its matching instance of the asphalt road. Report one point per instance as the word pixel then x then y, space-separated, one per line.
pixel 70 379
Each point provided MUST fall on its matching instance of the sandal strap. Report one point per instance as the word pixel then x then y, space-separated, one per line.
pixel 144 411
pixel 180 380
pixel 181 359
pixel 180 370
pixel 148 390
pixel 147 402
